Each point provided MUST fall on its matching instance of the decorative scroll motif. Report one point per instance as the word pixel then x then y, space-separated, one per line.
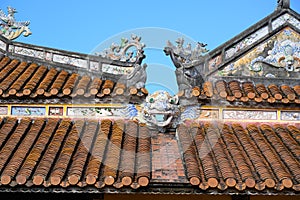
pixel 29 52
pixel 188 63
pixel 93 111
pixel 249 115
pixel 3 110
pixel 285 18
pixel 277 57
pixel 56 111
pixel 70 61
pixel 28 111
pixel 3 45
pixel 10 28
pixel 129 50
pixel 246 42
pixel 290 115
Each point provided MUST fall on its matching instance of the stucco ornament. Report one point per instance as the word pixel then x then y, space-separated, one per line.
pixel 10 28
pixel 161 111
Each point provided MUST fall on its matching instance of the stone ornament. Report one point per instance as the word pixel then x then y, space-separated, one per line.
pixel 129 50
pixel 10 28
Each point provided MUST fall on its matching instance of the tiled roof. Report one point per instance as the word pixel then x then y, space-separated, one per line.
pixel 53 152
pixel 105 153
pixel 248 91
pixel 244 156
pixel 24 79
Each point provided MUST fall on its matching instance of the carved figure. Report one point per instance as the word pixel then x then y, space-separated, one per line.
pixel 137 77
pixel 10 28
pixel 283 4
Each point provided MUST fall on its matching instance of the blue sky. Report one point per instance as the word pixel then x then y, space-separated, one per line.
pixel 91 25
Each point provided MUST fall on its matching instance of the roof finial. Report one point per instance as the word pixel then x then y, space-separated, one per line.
pixel 283 4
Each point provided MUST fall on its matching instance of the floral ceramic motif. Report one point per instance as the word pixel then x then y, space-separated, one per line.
pixel 279 55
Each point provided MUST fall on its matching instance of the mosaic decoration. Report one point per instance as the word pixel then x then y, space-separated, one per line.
pixel 2 45
pixel 249 114
pixel 70 60
pixel 277 57
pixel 215 62
pixel 94 66
pixel 283 19
pixel 28 111
pixel 209 114
pixel 113 69
pixel 93 111
pixel 3 110
pixel 246 42
pixel 129 50
pixel 56 111
pixel 290 115
pixel 10 28
pixel 29 52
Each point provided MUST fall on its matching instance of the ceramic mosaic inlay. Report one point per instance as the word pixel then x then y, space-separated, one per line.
pixel 3 110
pixel 249 114
pixel 93 111
pixel 28 111
pixel 214 62
pixel 29 52
pixel 2 45
pixel 209 114
pixel 277 57
pixel 246 42
pixel 113 69
pixel 70 60
pixel 283 19
pixel 290 115
pixel 55 111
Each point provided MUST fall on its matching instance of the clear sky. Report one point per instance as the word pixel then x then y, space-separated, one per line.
pixel 91 25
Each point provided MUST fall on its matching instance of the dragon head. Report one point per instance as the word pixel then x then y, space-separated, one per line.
pixel 160 109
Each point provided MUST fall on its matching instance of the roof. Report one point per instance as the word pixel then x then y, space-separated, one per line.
pixel 120 155
pixel 251 91
pixel 29 80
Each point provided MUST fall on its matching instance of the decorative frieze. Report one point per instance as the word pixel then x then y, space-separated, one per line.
pixel 28 111
pixel 113 69
pixel 93 111
pixel 70 61
pixel 3 45
pixel 250 114
pixel 56 111
pixel 29 52
pixel 290 115
pixel 209 114
pixel 3 110
pixel 246 42
pixel 285 18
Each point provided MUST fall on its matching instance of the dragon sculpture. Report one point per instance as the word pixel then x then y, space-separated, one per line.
pixel 188 63
pixel 10 28
pixel 161 111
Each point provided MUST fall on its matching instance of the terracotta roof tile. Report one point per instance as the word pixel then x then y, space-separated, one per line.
pixel 243 156
pixel 238 91
pixel 65 152
pixel 19 79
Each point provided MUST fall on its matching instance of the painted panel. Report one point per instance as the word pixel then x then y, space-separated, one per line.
pixel 290 115
pixel 28 111
pixel 215 62
pixel 70 60
pixel 29 52
pixel 94 66
pixel 209 114
pixel 93 111
pixel 277 57
pixel 3 110
pixel 56 111
pixel 113 69
pixel 2 45
pixel 246 42
pixel 249 114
